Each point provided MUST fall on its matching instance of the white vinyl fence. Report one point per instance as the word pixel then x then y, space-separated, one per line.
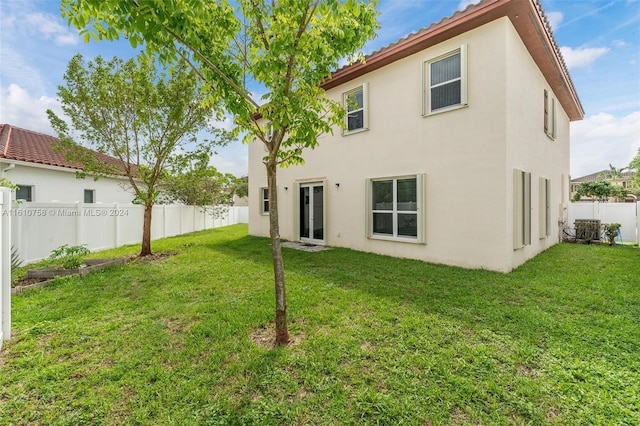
pixel 38 228
pixel 626 214
pixel 5 265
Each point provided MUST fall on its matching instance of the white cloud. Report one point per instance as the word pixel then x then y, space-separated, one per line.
pixel 225 123
pixel 576 58
pixel 20 109
pixel 465 3
pixel 17 67
pixel 233 159
pixel 555 19
pixel 49 27
pixel 620 43
pixel 603 139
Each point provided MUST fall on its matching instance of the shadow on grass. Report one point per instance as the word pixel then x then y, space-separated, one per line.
pixel 551 295
pixel 462 295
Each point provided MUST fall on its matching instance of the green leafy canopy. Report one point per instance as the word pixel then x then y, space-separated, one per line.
pixel 286 46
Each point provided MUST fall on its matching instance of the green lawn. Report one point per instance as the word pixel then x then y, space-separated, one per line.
pixel 377 340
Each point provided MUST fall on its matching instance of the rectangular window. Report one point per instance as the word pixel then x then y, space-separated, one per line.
pixel 395 209
pixel 549 115
pixel 446 82
pixel 24 193
pixel 521 208
pixel 544 209
pixel 264 200
pixel 355 102
pixel 89 196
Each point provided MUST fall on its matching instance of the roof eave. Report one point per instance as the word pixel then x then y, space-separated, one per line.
pixel 526 16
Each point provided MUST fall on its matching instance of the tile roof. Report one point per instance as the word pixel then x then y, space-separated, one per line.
pixel 602 175
pixel 33 147
pixel 527 17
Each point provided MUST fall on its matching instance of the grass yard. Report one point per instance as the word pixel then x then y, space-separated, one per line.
pixel 377 340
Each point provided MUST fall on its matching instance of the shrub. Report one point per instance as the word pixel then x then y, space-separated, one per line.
pixel 70 257
pixel 611 231
pixel 15 258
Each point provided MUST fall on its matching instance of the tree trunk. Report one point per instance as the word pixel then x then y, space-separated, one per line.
pixel 282 330
pixel 146 231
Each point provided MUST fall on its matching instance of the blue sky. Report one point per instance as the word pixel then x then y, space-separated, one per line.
pixel 599 39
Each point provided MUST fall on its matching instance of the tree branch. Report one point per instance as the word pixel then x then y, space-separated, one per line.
pixel 242 92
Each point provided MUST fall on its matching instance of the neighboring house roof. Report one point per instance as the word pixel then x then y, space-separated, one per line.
pixel 26 145
pixel 527 17
pixel 602 175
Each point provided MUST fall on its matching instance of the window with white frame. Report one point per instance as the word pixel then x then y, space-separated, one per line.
pixel 395 208
pixel 24 192
pixel 544 209
pixel 264 200
pixel 355 103
pixel 89 195
pixel 445 82
pixel 521 209
pixel 549 115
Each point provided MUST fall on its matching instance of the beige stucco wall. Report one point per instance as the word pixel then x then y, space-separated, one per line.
pixel 465 153
pixel 530 149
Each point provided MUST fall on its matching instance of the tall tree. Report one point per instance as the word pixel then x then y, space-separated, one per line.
pixel 287 47
pixel 192 181
pixel 134 112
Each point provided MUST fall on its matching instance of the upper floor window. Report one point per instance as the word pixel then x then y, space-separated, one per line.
pixel 24 192
pixel 446 82
pixel 549 115
pixel 355 104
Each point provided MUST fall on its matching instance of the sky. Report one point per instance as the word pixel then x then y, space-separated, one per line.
pixel 599 40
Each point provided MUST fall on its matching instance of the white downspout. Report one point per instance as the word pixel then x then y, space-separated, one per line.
pixel 6 169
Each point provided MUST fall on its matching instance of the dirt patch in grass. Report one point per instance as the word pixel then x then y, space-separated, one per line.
pixel 152 257
pixel 265 336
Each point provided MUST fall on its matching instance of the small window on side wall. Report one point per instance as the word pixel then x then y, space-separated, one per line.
pixel 549 115
pixel 521 209
pixel 24 192
pixel 264 200
pixel 89 195
pixel 355 103
pixel 445 82
pixel 544 207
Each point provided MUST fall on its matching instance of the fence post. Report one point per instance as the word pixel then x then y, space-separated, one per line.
pixel 116 225
pixel 164 221
pixel 5 263
pixel 79 224
pixel 638 223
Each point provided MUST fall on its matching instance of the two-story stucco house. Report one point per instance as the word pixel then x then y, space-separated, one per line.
pixel 29 160
pixel 456 148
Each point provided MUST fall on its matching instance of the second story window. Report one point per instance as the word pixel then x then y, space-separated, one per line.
pixel 355 103
pixel 446 82
pixel 549 115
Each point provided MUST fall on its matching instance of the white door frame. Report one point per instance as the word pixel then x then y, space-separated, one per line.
pixel 312 214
